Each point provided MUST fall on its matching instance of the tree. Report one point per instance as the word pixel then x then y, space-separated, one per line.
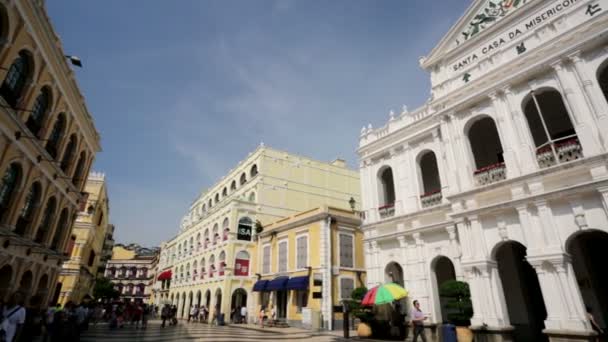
pixel 104 289
pixel 458 302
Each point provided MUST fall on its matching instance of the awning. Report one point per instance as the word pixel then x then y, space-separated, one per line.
pixel 165 275
pixel 260 285
pixel 298 283
pixel 277 284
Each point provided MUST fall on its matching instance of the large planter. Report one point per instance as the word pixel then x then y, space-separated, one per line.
pixel 464 334
pixel 364 330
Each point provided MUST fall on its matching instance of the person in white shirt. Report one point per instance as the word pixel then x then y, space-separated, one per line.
pixel 418 319
pixel 13 317
pixel 243 314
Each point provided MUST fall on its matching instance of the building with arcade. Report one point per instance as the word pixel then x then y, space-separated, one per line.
pixel 210 259
pixel 501 178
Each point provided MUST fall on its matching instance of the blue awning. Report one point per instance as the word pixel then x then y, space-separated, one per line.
pixel 260 285
pixel 298 283
pixel 277 284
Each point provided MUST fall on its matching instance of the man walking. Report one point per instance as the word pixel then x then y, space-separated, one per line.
pixel 418 319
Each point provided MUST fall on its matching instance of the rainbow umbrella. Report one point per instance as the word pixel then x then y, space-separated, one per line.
pixel 384 294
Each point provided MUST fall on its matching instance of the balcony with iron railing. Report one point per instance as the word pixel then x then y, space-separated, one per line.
pixel 490 174
pixel 559 151
pixel 431 199
pixel 386 211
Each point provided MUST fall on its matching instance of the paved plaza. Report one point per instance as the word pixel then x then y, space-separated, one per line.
pixel 205 332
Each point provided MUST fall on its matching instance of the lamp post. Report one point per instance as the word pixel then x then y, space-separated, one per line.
pixel 345 312
pixel 352 203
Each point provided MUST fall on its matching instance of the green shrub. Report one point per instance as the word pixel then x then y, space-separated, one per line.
pixel 458 302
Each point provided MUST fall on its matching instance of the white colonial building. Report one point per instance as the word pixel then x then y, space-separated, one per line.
pixel 501 178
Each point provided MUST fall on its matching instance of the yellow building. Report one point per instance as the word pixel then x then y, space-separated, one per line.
pixel 210 258
pixel 131 269
pixel 308 263
pixel 48 142
pixel 87 240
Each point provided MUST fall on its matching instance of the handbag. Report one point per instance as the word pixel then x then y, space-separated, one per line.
pixel 4 320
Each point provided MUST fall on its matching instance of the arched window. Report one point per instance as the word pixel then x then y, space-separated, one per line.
pixel 191 245
pixel 431 185
pixel 551 128
pixel 487 152
pixel 198 242
pixel 216 234
pixel 226 229
pixel 387 188
pixel 243 178
pixel 60 229
pixel 194 270
pixel 41 107
pixel 254 171
pixel 252 197
pixel 222 263
pixel 56 135
pixel 79 172
pixel 47 220
pixel 206 237
pixel 233 186
pixel 66 161
pixel 28 212
pixel 204 208
pixel 188 271
pixel 211 266
pixel 225 192
pixel 16 77
pixel 217 198
pixel 10 182
pixel 210 203
pixel 244 231
pixel 241 264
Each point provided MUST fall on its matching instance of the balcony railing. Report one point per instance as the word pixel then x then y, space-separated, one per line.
pixel 490 174
pixel 431 199
pixel 566 150
pixel 387 210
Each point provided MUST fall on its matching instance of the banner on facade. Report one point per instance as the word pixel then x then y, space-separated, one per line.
pixel 241 267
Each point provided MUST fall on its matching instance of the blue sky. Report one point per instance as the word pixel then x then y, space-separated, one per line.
pixel 183 90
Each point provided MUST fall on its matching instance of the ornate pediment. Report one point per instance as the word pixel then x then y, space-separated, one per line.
pixel 479 17
pixel 489 14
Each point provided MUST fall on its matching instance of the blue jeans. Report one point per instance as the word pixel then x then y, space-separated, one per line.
pixel 419 330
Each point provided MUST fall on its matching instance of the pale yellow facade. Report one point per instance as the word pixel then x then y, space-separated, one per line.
pixel 89 233
pixel 48 143
pixel 268 185
pixel 132 269
pixel 311 242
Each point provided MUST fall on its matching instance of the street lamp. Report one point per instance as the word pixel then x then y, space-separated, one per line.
pixel 352 203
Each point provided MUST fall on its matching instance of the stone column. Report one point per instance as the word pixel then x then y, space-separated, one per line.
pixel 403 259
pixel 411 195
pixel 527 149
pixel 603 190
pixel 550 235
pixel 452 181
pixel 376 269
pixel 593 95
pixel 368 263
pixel 489 305
pixel 465 169
pixel 423 285
pixel 479 248
pixel 563 301
pixel 579 111
pixel 506 134
pixel 455 251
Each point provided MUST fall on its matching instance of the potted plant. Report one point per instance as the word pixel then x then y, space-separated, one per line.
pixel 458 307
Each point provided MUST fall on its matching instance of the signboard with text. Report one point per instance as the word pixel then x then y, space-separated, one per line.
pixel 241 267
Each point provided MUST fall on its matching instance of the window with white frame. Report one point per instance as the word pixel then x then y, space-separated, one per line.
pixel 347 285
pixel 282 256
pixel 346 250
pixel 302 251
pixel 266 260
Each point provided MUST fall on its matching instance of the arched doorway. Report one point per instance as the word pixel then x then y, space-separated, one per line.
pixel 25 285
pixel 393 273
pixel 6 276
pixel 198 299
pixel 183 305
pixel 523 295
pixel 207 299
pixel 239 299
pixel 41 290
pixel 218 301
pixel 588 251
pixel 443 272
